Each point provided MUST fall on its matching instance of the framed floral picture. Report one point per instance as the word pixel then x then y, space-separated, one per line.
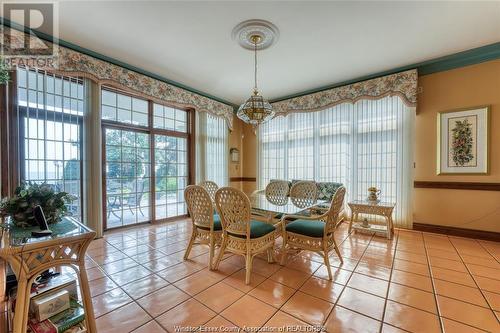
pixel 463 141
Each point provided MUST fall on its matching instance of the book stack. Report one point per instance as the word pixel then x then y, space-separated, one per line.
pixel 54 307
pixel 61 322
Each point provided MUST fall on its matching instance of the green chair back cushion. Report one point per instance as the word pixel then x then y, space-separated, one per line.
pixel 311 228
pixel 217 223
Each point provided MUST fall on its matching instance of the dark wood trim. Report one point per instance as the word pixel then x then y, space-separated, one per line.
pixel 459 232
pixel 4 142
pixel 242 179
pixel 124 126
pixel 13 133
pixel 103 180
pixel 458 185
pixel 152 173
pixel 172 219
pixel 141 224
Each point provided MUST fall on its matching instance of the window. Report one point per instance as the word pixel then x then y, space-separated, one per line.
pixel 360 145
pixel 50 113
pixel 124 109
pixel 128 175
pixel 169 118
pixel 146 165
pixel 212 149
pixel 171 170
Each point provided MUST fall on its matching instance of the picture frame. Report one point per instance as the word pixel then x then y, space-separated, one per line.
pixel 463 141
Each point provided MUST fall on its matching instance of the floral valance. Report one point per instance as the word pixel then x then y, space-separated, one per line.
pixel 403 84
pixel 71 62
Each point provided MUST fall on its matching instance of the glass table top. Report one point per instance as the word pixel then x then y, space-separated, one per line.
pixel 259 203
pixel 67 227
pixel 371 203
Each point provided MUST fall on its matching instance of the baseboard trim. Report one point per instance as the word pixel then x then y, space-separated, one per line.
pixel 455 231
pixel 242 179
pixel 458 185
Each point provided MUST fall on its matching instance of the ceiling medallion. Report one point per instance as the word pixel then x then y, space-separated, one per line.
pixel 268 33
pixel 255 35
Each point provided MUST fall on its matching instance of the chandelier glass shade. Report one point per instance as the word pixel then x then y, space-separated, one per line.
pixel 256 110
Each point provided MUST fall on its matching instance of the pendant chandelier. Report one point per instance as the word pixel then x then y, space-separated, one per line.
pixel 255 34
pixel 256 110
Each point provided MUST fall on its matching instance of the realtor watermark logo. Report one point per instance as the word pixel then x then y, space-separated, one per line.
pixel 36 46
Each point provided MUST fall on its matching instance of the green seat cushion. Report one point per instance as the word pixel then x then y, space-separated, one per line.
pixel 311 228
pixel 258 229
pixel 217 223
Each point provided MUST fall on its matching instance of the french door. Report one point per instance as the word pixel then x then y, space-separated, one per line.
pixel 147 156
pixel 128 177
pixel 171 170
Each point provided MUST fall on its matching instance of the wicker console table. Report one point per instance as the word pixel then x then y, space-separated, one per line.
pixel 29 257
pixel 384 209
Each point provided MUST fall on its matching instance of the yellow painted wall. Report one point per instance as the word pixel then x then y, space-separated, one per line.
pixel 243 137
pixel 235 169
pixel 458 88
pixel 463 87
pixel 249 158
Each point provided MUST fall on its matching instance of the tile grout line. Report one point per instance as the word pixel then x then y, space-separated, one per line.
pixel 153 273
pixel 389 285
pixel 489 252
pixel 153 318
pixel 434 292
pixel 350 276
pixel 219 313
pixel 298 289
pixel 294 293
pixel 310 275
pixel 475 282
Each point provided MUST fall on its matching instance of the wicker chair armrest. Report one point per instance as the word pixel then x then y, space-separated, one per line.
pixel 257 192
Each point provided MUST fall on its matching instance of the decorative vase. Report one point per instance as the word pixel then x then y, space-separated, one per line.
pixel 373 194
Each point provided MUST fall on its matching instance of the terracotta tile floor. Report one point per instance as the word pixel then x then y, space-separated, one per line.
pixel 417 282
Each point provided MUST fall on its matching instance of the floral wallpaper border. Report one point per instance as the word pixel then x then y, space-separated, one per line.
pixel 403 84
pixel 70 62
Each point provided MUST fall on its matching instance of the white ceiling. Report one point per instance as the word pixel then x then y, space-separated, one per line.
pixel 321 43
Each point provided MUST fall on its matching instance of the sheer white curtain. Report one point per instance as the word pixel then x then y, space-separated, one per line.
pixel 211 148
pixel 369 143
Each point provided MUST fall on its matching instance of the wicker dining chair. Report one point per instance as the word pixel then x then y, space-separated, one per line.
pixel 207 229
pixel 314 233
pixel 242 235
pixel 211 188
pixel 277 192
pixel 304 193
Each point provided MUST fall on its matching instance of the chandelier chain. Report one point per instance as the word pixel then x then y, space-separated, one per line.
pixel 255 59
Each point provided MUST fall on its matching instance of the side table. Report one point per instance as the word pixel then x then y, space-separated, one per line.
pixel 29 257
pixel 384 209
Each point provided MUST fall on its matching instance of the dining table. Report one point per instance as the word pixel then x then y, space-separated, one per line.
pixel 272 212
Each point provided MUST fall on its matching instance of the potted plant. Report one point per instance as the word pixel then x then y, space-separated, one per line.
pixel 27 196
